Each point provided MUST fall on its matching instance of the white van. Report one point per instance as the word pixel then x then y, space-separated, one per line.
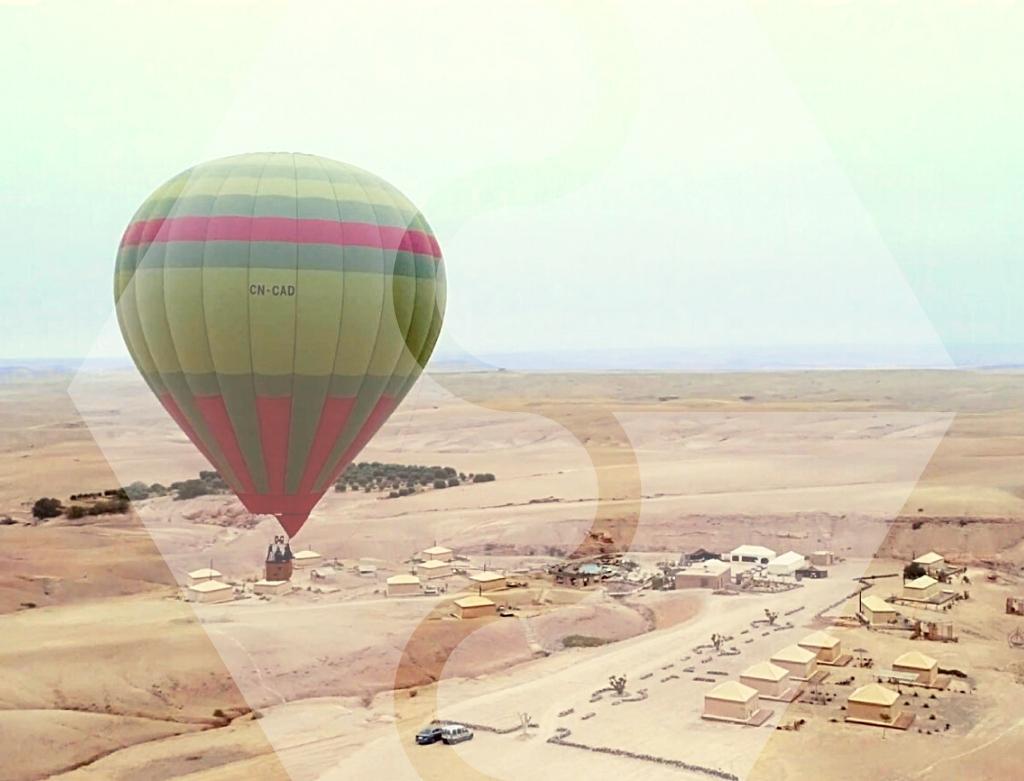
pixel 455 733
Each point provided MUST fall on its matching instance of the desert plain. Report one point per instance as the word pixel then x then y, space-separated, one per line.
pixel 109 674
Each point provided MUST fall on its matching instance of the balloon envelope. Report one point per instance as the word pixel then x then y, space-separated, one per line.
pixel 280 306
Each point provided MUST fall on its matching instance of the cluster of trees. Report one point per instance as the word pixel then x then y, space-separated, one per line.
pixel 403 479
pixel 208 482
pixel 112 503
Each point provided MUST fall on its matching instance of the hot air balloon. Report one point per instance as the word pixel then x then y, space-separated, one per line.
pixel 280 306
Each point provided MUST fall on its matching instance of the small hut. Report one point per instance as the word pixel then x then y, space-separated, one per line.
pixel 922 589
pixel 877 612
pixel 433 569
pixel 875 704
pixel 488 581
pixel 305 559
pixel 801 663
pixel 921 665
pixel 731 701
pixel 771 681
pixel 209 591
pixel 438 553
pixel 822 558
pixel 712 573
pixel 475 607
pixel 786 565
pixel 827 648
pixel 269 587
pixel 404 586
pixel 932 562
pixel 197 576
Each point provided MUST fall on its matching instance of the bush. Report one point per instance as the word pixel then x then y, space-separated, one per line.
pixel 583 641
pixel 484 477
pixel 913 571
pixel 137 491
pixel 157 490
pixel 452 482
pixel 76 511
pixel 189 489
pixel 47 507
pixel 440 484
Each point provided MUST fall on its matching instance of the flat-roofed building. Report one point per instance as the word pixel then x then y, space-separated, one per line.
pixel 752 554
pixel 770 680
pixel 827 648
pixel 916 663
pixel 203 575
pixel 404 586
pixel 713 574
pixel 433 569
pixel 921 589
pixel 306 558
pixel 438 553
pixel 366 570
pixel 787 564
pixel 801 663
pixel 475 607
pixel 209 591
pixel 875 704
pixel 731 701
pixel 877 612
pixel 932 562
pixel 488 581
pixel 269 587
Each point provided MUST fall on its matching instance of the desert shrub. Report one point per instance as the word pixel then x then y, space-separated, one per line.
pixel 483 477
pixel 47 507
pixel 440 484
pixel 452 482
pixel 189 489
pixel 583 641
pixel 76 511
pixel 137 491
pixel 913 570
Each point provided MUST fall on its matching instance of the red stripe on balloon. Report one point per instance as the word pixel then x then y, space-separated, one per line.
pixel 333 418
pixel 381 411
pixel 283 229
pixel 275 416
pixel 182 420
pixel 215 413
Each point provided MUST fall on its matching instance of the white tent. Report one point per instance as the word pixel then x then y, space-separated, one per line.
pixel 786 564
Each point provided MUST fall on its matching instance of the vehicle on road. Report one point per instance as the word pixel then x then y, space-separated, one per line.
pixel 429 735
pixel 455 733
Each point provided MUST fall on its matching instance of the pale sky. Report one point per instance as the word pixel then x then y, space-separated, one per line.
pixel 641 176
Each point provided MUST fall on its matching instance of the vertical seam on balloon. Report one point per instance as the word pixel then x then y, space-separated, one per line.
pixel 295 333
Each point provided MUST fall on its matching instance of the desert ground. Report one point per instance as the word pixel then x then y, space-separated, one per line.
pixel 109 674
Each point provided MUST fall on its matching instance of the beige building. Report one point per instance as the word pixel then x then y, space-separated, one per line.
pixel 713 574
pixel 916 663
pixel 306 558
pixel 873 703
pixel 271 586
pixel 731 701
pixel 438 553
pixel 432 569
pixel 921 589
pixel 202 575
pixel 770 680
pixel 932 562
pixel 822 558
pixel 404 586
pixel 475 607
pixel 878 612
pixel 801 663
pixel 209 591
pixel 488 581
pixel 827 648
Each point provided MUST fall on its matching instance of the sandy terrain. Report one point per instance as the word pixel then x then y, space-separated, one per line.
pixel 117 678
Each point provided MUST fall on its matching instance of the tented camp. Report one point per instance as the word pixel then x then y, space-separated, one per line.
pixel 876 704
pixel 771 681
pixel 921 589
pixel 877 612
pixel 921 665
pixel 488 581
pixel 752 554
pixel 787 564
pixel 404 586
pixel 210 591
pixel 202 575
pixel 475 607
pixel 306 558
pixel 438 553
pixel 827 648
pixel 801 663
pixel 713 574
pixel 271 586
pixel 433 568
pixel 732 701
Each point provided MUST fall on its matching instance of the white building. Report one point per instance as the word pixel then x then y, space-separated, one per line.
pixel 306 558
pixel 753 554
pixel 429 570
pixel 210 591
pixel 438 553
pixel 270 586
pixel 404 586
pixel 921 589
pixel 787 564
pixel 202 575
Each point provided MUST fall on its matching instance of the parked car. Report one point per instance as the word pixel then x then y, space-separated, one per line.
pixel 429 735
pixel 455 733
